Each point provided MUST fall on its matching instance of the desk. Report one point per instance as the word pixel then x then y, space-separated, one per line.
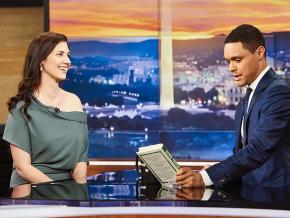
pixel 118 194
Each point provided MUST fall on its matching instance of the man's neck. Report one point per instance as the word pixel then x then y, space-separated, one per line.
pixel 261 68
pixel 255 83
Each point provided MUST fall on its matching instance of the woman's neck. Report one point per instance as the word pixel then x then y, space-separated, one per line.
pixel 48 90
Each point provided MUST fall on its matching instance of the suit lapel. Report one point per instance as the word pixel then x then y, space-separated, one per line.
pixel 263 84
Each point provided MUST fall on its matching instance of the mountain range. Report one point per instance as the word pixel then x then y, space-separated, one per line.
pixel 275 41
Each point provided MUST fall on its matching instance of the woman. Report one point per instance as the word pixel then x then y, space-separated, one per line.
pixel 46 128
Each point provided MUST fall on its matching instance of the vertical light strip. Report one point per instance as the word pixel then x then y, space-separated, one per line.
pixel 166 58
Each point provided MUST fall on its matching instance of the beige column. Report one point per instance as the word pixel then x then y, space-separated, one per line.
pixel 18 26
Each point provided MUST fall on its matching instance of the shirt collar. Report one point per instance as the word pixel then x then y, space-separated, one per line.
pixel 254 84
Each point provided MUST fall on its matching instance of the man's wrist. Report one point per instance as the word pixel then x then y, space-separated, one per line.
pixel 198 179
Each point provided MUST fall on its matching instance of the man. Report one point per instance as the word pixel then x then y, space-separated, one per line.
pixel 262 120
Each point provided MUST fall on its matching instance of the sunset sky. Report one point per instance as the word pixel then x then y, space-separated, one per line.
pixel 190 18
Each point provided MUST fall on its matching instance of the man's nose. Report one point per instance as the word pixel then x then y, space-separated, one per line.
pixel 232 67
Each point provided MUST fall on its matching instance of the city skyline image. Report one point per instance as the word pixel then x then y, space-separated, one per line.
pixel 153 71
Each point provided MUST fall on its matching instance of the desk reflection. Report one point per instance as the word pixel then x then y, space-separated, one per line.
pixel 266 194
pixel 57 190
pixel 166 193
pixel 125 185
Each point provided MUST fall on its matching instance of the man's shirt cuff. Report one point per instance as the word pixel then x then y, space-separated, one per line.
pixel 205 177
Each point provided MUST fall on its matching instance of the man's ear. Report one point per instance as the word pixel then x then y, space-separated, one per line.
pixel 261 52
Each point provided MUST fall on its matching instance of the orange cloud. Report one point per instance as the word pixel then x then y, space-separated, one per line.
pixel 101 18
pixel 190 18
pixel 220 16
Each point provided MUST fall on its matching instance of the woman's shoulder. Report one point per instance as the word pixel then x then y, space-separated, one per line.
pixel 72 101
pixel 17 112
pixel 18 105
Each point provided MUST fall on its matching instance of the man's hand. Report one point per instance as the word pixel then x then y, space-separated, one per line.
pixel 186 177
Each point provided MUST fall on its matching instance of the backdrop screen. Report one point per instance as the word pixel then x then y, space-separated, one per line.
pixel 152 71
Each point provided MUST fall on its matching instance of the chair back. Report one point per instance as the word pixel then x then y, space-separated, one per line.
pixel 6 164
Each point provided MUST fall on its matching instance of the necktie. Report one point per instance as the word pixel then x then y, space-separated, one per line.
pixel 245 111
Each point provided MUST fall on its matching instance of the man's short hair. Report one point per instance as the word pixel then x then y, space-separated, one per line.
pixel 250 36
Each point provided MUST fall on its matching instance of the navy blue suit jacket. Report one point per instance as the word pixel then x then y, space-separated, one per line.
pixel 265 159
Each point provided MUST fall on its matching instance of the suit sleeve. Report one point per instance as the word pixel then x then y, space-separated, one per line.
pixel 273 125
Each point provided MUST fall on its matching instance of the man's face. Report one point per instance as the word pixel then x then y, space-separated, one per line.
pixel 243 64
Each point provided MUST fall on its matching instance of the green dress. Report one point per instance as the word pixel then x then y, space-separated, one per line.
pixel 55 140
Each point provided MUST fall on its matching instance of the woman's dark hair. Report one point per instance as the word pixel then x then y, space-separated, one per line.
pixel 38 50
pixel 250 36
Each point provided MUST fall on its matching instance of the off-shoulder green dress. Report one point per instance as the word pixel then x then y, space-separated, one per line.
pixel 55 140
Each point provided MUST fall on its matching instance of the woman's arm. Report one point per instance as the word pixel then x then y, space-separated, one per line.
pixel 22 162
pixel 80 172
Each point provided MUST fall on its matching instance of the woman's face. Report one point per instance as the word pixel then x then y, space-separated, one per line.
pixel 57 62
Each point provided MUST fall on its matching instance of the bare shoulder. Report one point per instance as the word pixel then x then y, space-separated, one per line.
pixel 73 102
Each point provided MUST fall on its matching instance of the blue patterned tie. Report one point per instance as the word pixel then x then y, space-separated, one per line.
pixel 245 111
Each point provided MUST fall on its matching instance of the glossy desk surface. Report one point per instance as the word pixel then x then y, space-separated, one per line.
pixel 123 191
